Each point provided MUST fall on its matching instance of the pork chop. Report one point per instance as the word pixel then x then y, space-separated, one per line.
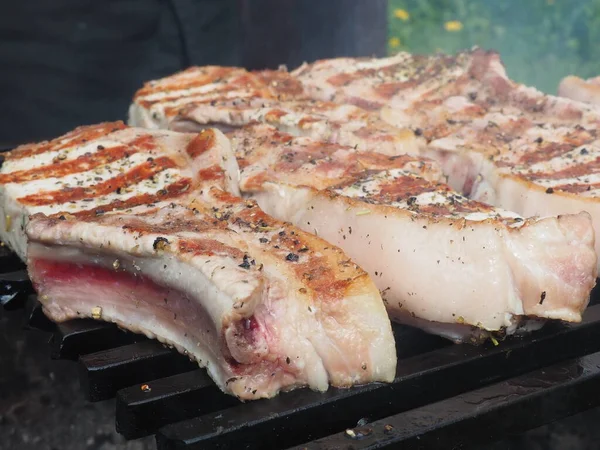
pixel 450 265
pixel 135 227
pixel 272 97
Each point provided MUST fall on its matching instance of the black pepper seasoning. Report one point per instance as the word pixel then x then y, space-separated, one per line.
pixel 292 257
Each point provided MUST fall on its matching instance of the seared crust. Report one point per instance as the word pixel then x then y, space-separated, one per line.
pixel 263 150
pixel 230 97
pixel 466 102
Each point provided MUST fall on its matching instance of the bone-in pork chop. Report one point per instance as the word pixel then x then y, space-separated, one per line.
pixel 445 263
pixel 227 98
pixel 135 227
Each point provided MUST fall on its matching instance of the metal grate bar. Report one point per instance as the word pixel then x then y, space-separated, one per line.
pixel 103 373
pixel 9 261
pixel 187 410
pixel 477 417
pixel 36 317
pixel 168 400
pixel 302 415
pixel 78 337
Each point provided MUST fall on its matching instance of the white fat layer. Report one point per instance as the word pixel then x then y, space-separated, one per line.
pixel 47 158
pixel 494 271
pixel 398 261
pixel 82 179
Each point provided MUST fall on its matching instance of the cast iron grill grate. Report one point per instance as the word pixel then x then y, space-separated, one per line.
pixel 443 396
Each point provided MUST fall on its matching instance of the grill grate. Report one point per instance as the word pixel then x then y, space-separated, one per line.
pixel 444 395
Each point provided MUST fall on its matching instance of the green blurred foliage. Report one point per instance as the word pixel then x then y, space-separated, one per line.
pixel 540 41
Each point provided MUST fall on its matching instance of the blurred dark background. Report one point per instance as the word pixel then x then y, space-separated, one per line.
pixel 65 63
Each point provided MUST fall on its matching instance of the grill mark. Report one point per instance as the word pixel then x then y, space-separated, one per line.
pixel 228 83
pixel 187 79
pixel 369 105
pixel 77 137
pixel 405 187
pixel 379 160
pixel 274 115
pixel 201 143
pixel 576 188
pixel 308 120
pixel 176 189
pixel 369 132
pixel 345 78
pixel 388 90
pixel 139 173
pixel 243 102
pixel 281 83
pixel 255 182
pixel 215 172
pixel 545 153
pixel 318 154
pixel 448 209
pixel 209 247
pixel 552 150
pixel 570 172
pixel 226 197
pixel 171 226
pixel 197 99
pixel 83 163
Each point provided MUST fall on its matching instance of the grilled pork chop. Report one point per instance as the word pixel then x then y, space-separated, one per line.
pixel 141 219
pixel 445 263
pixel 497 141
pixel 576 88
pixel 228 98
